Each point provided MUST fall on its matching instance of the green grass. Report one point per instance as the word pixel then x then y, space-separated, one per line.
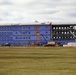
pixel 37 61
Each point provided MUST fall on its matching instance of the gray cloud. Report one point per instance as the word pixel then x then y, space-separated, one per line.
pixel 5 2
pixel 57 11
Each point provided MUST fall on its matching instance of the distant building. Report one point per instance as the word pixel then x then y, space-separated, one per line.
pixel 33 34
pixel 25 34
pixel 63 33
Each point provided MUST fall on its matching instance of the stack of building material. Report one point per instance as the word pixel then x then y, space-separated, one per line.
pixel 70 44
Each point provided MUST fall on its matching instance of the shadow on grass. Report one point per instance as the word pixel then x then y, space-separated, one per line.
pixel 34 57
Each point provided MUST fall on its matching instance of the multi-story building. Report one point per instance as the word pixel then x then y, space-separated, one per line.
pixel 34 34
pixel 25 34
pixel 64 33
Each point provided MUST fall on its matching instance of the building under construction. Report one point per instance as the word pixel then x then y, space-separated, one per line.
pixel 25 34
pixel 64 33
pixel 36 34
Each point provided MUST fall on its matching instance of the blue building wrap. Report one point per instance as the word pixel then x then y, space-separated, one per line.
pixel 25 35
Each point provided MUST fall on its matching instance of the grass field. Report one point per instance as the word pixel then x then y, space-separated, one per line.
pixel 37 61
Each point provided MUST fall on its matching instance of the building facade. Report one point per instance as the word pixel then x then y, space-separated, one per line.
pixel 64 33
pixel 25 35
pixel 34 34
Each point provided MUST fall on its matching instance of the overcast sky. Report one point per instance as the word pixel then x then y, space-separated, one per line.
pixel 25 11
